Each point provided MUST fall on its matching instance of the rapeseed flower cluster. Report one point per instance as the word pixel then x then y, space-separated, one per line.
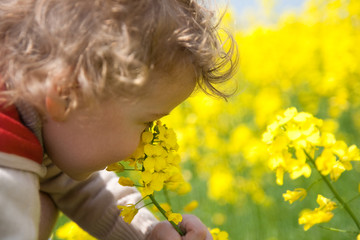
pixel 296 144
pixel 289 138
pixel 293 137
pixel 157 161
pixel 158 164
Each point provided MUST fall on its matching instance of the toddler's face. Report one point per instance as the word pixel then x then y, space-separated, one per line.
pixel 89 140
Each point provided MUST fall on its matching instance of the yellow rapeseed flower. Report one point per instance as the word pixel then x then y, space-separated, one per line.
pixel 174 217
pixel 167 137
pixel 336 157
pixel 125 181
pixel 218 218
pixel 154 151
pixel 128 212
pixel 292 196
pixel 345 153
pixel 325 204
pixel 158 179
pixel 152 181
pixel 183 188
pixel 115 167
pixel 320 215
pixel 217 234
pixel 309 218
pixel 327 163
pixel 147 137
pixel 191 206
pixel 327 139
pixel 220 185
pixel 71 231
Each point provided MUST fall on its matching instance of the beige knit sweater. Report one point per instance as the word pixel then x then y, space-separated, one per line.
pixel 90 203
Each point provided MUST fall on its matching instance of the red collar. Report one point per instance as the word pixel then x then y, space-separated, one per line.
pixel 17 139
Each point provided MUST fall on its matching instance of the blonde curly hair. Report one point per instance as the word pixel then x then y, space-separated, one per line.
pixel 92 49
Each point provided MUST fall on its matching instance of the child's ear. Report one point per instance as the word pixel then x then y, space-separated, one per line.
pixel 56 106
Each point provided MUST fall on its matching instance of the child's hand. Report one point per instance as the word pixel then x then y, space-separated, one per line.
pixel 193 228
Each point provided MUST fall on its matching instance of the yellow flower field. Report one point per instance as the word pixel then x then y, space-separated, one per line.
pixel 311 61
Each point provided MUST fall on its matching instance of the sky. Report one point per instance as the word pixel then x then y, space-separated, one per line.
pixel 280 5
pixel 244 8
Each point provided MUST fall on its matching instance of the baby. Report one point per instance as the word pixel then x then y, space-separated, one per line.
pixel 80 81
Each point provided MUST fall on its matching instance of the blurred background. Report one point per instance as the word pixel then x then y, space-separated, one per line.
pixel 292 53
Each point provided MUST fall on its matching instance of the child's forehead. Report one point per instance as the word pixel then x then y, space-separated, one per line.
pixel 169 91
pixel 160 82
pixel 178 74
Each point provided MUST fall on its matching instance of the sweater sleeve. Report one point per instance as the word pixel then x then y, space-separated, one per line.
pixel 92 204
pixel 20 204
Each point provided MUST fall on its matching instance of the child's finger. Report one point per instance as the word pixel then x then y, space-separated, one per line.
pixel 197 236
pixel 194 229
pixel 164 231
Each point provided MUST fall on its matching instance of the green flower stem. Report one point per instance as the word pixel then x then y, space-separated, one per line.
pixel 148 204
pixel 357 196
pixel 140 200
pixel 164 214
pixel 312 184
pixel 166 193
pixel 336 194
pixel 338 230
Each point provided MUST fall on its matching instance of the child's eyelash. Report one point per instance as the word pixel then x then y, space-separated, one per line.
pixel 149 124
